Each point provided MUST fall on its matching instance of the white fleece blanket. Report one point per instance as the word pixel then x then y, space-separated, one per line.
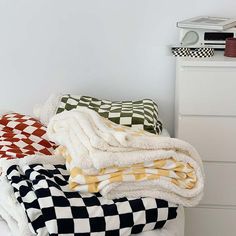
pixel 11 211
pixel 94 143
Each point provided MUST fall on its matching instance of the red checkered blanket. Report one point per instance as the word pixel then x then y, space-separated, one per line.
pixel 22 135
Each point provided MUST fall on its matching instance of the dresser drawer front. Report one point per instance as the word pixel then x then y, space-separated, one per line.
pixel 210 222
pixel 207 91
pixel 220 186
pixel 213 137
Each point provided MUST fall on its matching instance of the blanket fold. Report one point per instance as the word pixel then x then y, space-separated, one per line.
pixel 118 161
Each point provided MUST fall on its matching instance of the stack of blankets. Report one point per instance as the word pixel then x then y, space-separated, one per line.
pixel 118 161
pixel 99 178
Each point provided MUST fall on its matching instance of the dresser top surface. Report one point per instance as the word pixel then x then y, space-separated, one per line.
pixel 217 60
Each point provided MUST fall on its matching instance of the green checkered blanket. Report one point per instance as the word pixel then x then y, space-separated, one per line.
pixel 142 114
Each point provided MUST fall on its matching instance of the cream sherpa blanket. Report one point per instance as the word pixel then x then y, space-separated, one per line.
pixel 118 161
pixel 11 211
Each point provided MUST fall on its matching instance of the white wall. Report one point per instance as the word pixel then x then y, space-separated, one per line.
pixel 113 49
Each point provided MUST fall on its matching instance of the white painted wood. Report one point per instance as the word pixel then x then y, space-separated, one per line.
pixel 210 222
pixel 220 187
pixel 219 60
pixel 207 91
pixel 205 116
pixel 214 137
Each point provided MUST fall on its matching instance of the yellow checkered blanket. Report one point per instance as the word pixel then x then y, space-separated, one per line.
pixel 118 161
pixel 177 172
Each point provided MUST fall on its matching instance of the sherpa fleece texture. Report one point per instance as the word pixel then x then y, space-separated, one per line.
pixel 95 143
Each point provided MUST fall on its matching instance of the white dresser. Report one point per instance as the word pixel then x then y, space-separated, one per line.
pixel 205 116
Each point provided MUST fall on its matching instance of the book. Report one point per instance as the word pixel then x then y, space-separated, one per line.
pixel 208 22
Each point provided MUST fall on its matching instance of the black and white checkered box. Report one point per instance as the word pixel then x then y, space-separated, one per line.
pixel 192 52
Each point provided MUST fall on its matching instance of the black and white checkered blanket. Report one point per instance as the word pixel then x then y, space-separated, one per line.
pixel 53 209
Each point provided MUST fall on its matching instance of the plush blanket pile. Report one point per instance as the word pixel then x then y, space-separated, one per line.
pixel 43 198
pixel 118 161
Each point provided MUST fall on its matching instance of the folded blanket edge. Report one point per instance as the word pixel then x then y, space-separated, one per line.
pixel 31 159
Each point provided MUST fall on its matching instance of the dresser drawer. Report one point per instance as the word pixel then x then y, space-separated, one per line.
pixel 213 137
pixel 220 187
pixel 207 91
pixel 210 222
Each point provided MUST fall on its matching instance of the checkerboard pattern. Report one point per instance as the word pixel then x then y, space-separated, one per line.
pixel 202 52
pixel 53 209
pixel 141 114
pixel 22 135
pixel 192 52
